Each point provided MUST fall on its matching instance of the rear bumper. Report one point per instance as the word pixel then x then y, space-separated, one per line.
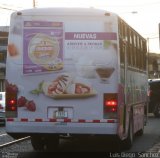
pixel 61 128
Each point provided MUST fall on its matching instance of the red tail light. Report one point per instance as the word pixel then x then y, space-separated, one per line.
pixel 11 99
pixel 110 105
pixel 11 105
pixel 12 102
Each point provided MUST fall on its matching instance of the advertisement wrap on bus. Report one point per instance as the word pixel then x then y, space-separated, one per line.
pixel 72 77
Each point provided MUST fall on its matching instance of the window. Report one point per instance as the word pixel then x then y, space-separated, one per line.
pixel 122 49
pixel 135 47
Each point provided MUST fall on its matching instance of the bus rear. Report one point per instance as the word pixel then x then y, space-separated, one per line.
pixel 62 74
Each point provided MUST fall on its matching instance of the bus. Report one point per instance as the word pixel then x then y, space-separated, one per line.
pixel 74 72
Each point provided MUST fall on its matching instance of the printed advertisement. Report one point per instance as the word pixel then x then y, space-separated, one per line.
pixel 42 46
pixel 89 61
pixel 65 70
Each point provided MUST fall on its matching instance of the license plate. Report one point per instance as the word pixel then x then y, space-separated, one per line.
pixel 61 114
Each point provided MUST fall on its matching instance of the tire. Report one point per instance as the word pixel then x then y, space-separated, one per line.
pixel 37 143
pixel 45 143
pixel 141 131
pixel 157 110
pixel 127 143
pixel 52 142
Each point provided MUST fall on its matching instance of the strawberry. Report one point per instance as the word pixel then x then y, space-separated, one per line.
pixel 21 101
pixel 30 105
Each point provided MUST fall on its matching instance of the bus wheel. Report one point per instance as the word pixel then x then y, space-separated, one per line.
pixel 127 143
pixel 52 142
pixel 141 131
pixel 157 110
pixel 37 143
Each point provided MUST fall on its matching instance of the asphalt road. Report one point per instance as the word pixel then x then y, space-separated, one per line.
pixel 142 143
pixel 150 137
pixel 93 146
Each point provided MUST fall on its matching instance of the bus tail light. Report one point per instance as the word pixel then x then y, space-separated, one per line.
pixel 11 100
pixel 11 105
pixel 110 105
